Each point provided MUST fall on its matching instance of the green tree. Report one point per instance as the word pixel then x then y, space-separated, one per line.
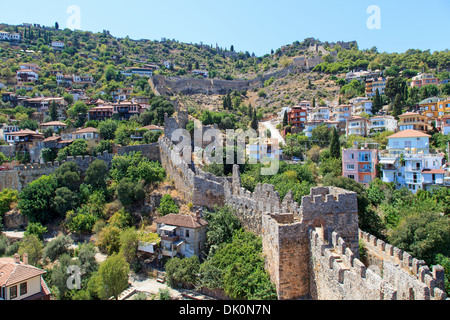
pixel 335 146
pixel 113 276
pixel 54 111
pixel 129 244
pixel 424 236
pixel 36 229
pixel 96 174
pixel 221 225
pixel 397 108
pixel 168 205
pixel 57 247
pixel 35 200
pixel 32 246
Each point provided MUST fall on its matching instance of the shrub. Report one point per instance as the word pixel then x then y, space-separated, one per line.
pixel 168 205
pixel 58 246
pixel 37 229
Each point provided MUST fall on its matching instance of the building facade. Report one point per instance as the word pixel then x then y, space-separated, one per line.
pixel 360 164
pixel 407 158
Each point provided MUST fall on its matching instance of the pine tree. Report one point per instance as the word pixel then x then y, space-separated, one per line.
pixel 335 146
pixel 314 102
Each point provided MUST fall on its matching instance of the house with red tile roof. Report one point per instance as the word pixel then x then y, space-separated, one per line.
pixel 182 235
pixel 21 281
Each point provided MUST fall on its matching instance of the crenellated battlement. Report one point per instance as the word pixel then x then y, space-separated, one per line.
pixel 83 163
pixel 401 263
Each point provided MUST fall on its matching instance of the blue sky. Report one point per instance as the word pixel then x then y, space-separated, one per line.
pixel 249 25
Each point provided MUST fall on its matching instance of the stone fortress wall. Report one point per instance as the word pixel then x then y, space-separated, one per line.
pixel 311 249
pixel 25 174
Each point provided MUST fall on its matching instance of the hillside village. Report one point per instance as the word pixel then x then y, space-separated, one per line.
pixel 91 179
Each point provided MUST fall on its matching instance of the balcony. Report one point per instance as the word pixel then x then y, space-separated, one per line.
pixel 170 238
pixel 169 253
pixel 414 181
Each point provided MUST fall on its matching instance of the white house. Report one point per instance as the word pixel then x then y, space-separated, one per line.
pixel 21 281
pixel 182 235
pixel 407 161
pixel 356 126
pixel 203 73
pixel 361 105
pixel 382 123
pixel 57 45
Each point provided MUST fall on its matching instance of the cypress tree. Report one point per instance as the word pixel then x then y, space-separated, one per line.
pixel 285 119
pixel 54 111
pixel 254 123
pixel 397 108
pixel 377 102
pixel 335 146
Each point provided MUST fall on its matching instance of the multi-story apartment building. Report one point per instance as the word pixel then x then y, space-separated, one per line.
pixel 101 113
pixel 429 107
pixel 342 112
pixel 360 164
pixel 126 109
pixel 312 124
pixel 122 94
pixel 361 105
pixel 357 126
pixel 142 72
pixel 379 124
pixel 319 113
pixel 373 84
pixel 408 162
pixel 413 121
pixel 423 79
pixel 297 116
pixel 444 122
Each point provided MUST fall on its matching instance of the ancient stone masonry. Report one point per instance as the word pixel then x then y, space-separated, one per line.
pixel 411 277
pixel 25 174
pixel 150 151
pixel 196 186
pixel 170 85
pixel 312 249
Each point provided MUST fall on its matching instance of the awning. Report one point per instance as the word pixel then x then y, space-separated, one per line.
pixel 178 243
pixel 387 161
pixel 168 228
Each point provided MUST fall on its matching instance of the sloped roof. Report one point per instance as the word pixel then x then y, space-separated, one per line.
pixel 12 272
pixel 181 220
pixel 409 133
pixel 87 130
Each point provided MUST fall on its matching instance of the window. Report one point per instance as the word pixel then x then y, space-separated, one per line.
pixel 351 177
pixel 13 292
pixel 350 167
pixel 23 288
pixel 407 144
pixel 187 233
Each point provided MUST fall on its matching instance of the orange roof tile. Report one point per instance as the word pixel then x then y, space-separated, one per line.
pixel 181 220
pixel 409 133
pixel 12 272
